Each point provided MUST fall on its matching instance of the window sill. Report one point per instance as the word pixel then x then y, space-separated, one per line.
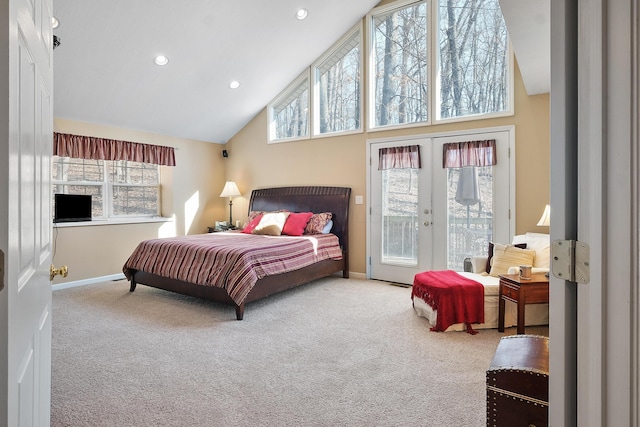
pixel 111 221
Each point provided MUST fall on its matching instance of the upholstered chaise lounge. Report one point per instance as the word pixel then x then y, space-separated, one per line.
pixel 505 260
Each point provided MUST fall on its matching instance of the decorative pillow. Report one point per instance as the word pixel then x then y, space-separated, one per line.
pixel 327 228
pixel 505 256
pixel 253 215
pixel 517 245
pixel 271 223
pixel 541 243
pixel 252 224
pixel 317 223
pixel 296 223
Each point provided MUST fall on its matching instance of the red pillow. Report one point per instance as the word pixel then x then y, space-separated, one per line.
pixel 296 222
pixel 248 229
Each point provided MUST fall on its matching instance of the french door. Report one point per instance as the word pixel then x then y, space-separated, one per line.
pixel 400 215
pixel 434 217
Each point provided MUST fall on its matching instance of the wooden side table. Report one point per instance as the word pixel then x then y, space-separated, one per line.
pixel 522 292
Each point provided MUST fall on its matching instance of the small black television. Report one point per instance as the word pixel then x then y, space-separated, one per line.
pixel 72 207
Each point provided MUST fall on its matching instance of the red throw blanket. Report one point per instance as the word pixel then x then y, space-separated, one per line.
pixel 457 299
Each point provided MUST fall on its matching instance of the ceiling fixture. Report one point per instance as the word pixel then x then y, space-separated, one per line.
pixel 161 60
pixel 54 22
pixel 302 14
pixel 234 84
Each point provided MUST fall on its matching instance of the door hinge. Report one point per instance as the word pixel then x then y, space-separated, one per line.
pixel 570 260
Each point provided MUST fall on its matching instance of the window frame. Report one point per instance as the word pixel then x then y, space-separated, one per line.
pixel 433 71
pixel 286 93
pixel 435 100
pixel 315 75
pixel 108 192
pixel 371 68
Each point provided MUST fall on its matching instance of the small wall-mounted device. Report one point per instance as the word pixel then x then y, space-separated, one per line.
pixel 225 153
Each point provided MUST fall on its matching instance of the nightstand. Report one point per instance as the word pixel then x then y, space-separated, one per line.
pixel 522 292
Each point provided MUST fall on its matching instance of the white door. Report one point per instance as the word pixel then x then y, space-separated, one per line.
pixel 400 216
pixel 595 327
pixel 417 222
pixel 472 205
pixel 26 123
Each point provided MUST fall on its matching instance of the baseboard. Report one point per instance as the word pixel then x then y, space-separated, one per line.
pixel 359 276
pixel 89 281
pixel 120 276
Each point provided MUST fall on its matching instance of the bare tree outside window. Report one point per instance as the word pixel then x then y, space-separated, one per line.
pixel 290 113
pixel 338 79
pixel 400 48
pixel 117 188
pixel 473 58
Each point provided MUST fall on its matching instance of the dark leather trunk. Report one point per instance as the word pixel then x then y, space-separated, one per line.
pixel 518 382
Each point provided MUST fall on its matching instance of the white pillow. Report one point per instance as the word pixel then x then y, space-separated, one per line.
pixel 271 223
pixel 540 243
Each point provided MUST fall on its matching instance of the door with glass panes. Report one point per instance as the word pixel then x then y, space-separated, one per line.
pixel 438 214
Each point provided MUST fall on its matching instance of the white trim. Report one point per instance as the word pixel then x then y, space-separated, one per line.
pixel 112 221
pixel 89 281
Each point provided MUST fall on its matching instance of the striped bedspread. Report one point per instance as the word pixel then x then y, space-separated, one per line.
pixel 230 260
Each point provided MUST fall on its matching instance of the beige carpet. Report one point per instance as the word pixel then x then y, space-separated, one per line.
pixel 334 352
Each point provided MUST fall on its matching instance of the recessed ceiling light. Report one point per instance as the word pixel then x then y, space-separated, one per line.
pixel 302 14
pixel 234 84
pixel 54 22
pixel 161 60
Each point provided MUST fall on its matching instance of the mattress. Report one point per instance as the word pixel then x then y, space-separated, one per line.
pixel 534 314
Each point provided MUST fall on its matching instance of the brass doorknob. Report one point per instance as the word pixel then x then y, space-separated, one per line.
pixel 62 271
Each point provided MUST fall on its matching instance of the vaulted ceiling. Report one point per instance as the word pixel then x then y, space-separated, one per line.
pixel 104 70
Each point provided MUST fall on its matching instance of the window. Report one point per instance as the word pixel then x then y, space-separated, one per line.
pixel 119 188
pixel 474 59
pixel 289 113
pixel 400 66
pixel 337 101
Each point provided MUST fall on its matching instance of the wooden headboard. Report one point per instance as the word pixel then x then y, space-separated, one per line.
pixel 308 199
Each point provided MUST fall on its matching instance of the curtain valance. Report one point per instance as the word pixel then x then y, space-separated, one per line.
pixel 407 157
pixel 89 147
pixel 469 153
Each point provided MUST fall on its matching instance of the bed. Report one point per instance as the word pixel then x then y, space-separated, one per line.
pixel 317 199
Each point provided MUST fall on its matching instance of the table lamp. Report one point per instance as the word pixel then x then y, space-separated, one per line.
pixel 545 219
pixel 230 190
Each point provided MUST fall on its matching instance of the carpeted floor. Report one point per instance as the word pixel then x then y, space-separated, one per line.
pixel 334 352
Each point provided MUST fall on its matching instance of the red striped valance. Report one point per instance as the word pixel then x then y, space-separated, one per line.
pixel 407 157
pixel 89 147
pixel 470 153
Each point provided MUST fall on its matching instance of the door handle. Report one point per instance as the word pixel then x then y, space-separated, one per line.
pixel 426 223
pixel 62 271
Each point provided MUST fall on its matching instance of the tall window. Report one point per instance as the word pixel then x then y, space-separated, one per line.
pixel 289 113
pixel 118 188
pixel 337 83
pixel 400 61
pixel 473 58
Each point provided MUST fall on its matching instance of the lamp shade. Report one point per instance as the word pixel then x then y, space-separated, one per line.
pixel 545 219
pixel 230 190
